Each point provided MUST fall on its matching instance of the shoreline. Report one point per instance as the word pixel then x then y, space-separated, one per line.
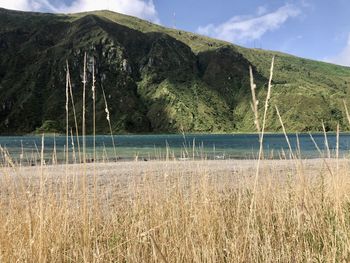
pixel 125 168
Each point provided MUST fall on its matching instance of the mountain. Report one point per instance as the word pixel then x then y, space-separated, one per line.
pixel 156 79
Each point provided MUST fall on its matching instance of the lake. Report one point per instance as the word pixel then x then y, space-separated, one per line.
pixel 163 146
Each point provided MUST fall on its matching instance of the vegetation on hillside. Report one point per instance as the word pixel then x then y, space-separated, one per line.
pixel 156 79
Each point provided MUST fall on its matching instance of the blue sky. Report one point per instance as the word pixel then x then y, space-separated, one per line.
pixel 316 29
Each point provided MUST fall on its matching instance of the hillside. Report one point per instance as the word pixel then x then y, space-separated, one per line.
pixel 156 79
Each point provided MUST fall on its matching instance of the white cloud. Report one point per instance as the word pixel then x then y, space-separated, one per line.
pixel 343 58
pixel 141 8
pixel 137 8
pixel 243 29
pixel 15 5
pixel 30 5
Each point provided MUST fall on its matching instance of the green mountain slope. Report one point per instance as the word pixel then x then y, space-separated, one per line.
pixel 156 79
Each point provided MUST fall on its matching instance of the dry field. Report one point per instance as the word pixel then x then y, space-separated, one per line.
pixel 193 211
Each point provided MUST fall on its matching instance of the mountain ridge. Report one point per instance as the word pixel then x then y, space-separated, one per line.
pixel 156 79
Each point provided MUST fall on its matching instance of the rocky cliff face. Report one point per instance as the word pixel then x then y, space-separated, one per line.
pixel 155 80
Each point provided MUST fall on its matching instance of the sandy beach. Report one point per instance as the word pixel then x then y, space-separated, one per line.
pixel 139 168
pixel 117 174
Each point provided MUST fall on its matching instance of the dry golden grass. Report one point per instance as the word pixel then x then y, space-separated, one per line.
pixel 177 212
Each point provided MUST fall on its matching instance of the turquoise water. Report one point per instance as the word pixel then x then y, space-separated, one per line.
pixel 210 146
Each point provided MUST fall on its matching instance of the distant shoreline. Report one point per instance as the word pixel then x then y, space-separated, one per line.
pixel 179 133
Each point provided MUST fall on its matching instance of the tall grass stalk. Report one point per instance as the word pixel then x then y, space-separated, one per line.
pixel 326 141
pixel 285 133
pixel 255 102
pixel 21 157
pixel 54 151
pixel 109 123
pixel 41 207
pixel 74 158
pixel 84 111
pixel 67 114
pixel 261 139
pixel 74 112
pixel 86 218
pixel 93 90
